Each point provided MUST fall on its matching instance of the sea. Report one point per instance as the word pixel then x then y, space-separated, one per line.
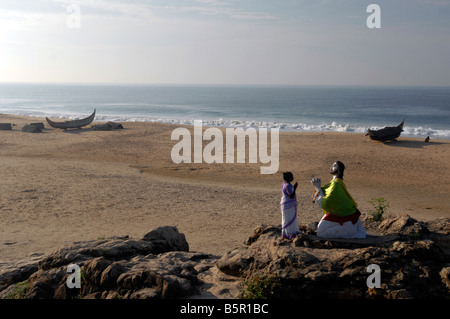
pixel 426 110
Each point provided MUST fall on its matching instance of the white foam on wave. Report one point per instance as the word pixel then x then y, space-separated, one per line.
pixel 418 132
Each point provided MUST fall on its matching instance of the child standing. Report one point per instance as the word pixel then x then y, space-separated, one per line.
pixel 289 223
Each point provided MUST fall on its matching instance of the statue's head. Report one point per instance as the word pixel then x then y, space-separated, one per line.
pixel 337 169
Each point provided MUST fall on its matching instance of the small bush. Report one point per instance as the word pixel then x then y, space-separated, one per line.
pixel 261 286
pixel 379 208
pixel 415 236
pixel 19 291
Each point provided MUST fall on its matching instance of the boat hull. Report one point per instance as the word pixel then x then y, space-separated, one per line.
pixel 72 124
pixel 389 133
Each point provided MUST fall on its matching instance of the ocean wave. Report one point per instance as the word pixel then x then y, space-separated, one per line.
pixel 418 132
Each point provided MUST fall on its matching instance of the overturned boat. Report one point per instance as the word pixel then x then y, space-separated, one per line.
pixel 73 123
pixel 389 133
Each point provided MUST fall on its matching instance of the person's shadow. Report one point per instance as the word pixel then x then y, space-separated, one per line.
pixel 412 144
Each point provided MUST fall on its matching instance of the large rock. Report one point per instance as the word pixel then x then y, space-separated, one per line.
pixel 157 266
pixel 31 128
pixel 107 126
pixel 18 271
pixel 410 257
pixel 413 258
pixel 403 225
pixel 167 238
pixel 39 125
pixel 5 126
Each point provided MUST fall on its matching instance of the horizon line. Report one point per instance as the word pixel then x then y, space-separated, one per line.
pixel 226 84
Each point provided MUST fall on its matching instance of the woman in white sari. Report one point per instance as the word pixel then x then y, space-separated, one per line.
pixel 288 203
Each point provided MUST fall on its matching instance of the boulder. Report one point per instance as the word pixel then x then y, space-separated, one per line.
pixel 30 128
pixel 18 271
pixel 107 126
pixel 167 238
pixel 403 225
pixel 157 266
pixel 39 125
pixel 5 126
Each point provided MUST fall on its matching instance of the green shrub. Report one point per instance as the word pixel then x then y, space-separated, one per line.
pixel 415 236
pixel 379 208
pixel 19 291
pixel 261 286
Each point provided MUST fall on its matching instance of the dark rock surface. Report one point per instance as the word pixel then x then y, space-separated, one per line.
pixel 31 128
pixel 413 258
pixel 107 126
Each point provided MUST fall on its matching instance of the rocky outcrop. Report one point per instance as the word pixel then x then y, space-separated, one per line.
pixel 157 266
pixel 413 259
pixel 402 225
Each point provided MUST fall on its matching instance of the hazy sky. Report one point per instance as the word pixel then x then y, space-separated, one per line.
pixel 287 42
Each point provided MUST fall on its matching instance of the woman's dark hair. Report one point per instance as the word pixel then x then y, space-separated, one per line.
pixel 288 176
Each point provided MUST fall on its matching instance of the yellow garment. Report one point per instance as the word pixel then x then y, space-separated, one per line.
pixel 337 200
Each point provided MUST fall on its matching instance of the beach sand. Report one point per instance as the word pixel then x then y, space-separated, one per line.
pixel 59 187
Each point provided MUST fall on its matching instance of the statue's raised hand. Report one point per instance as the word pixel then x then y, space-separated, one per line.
pixel 316 182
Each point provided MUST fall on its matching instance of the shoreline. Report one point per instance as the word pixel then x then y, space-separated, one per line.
pixel 409 132
pixel 66 186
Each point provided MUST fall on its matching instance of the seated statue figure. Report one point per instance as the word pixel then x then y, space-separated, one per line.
pixel 341 214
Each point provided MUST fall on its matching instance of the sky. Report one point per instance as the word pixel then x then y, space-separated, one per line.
pixel 238 42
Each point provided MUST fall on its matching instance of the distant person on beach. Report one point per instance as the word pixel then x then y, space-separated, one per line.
pixel 289 223
pixel 341 215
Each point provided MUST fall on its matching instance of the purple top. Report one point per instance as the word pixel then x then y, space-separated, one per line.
pixel 286 202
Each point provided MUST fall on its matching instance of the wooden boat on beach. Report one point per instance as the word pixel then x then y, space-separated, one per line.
pixel 389 133
pixel 73 123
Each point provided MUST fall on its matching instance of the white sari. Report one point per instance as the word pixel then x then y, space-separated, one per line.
pixel 289 222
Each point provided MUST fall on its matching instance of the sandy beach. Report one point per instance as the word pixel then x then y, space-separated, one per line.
pixel 58 187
